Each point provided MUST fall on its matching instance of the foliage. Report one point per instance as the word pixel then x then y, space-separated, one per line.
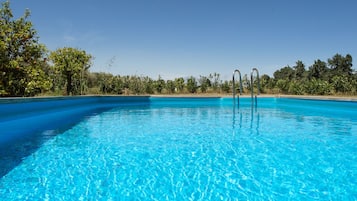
pixel 192 84
pixel 159 85
pixel 341 66
pixel 170 86
pixel 341 84
pixel 149 85
pixel 318 70
pixel 205 83
pixel 215 81
pixel 72 64
pixel 295 87
pixel 317 87
pixel 21 56
pixel 284 73
pixel 179 84
pixel 299 70
pixel 335 76
pixel 266 83
pixel 283 85
pixel 225 86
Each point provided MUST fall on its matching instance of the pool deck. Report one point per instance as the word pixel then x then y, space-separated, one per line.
pixel 198 95
pixel 341 98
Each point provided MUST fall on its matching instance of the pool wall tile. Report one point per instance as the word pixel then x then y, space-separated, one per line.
pixel 24 116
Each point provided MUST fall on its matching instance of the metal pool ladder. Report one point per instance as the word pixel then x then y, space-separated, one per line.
pixel 254 100
pixel 240 86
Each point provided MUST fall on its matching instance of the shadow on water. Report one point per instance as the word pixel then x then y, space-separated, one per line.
pixel 13 151
pixel 27 123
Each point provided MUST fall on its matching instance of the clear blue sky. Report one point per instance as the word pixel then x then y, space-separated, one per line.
pixel 175 38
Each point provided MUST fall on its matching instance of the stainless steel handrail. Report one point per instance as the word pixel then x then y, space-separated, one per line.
pixel 252 85
pixel 240 85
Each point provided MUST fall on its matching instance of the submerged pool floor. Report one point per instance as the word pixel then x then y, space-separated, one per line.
pixel 186 152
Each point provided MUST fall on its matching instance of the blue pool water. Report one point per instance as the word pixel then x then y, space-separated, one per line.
pixel 202 149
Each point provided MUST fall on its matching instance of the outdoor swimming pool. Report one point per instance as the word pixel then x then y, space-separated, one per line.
pixel 186 149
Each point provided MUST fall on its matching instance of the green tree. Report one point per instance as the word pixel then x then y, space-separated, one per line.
pixel 318 70
pixel 225 86
pixel 72 64
pixel 246 83
pixel 170 86
pixel 118 85
pixel 215 81
pixel 149 85
pixel 317 87
pixel 341 74
pixel 354 84
pixel 159 85
pixel 179 84
pixel 299 69
pixel 266 83
pixel 191 84
pixel 341 66
pixel 342 84
pixel 205 83
pixel 104 81
pixel 37 81
pixel 22 58
pixel 284 73
pixel 283 85
pixel 135 85
pixel 295 87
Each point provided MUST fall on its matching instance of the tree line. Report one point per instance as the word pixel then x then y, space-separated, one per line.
pixel 27 68
pixel 333 77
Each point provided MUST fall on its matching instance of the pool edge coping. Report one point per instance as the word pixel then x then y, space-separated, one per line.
pixel 305 97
